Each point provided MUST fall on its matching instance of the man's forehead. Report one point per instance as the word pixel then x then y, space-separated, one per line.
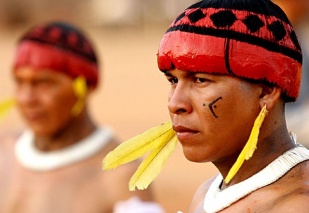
pixel 39 72
pixel 191 73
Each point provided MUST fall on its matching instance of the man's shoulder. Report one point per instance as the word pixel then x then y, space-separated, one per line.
pixel 295 198
pixel 299 174
pixel 296 180
pixel 289 193
pixel 7 144
pixel 9 137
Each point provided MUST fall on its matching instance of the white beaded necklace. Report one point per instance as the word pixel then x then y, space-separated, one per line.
pixel 32 158
pixel 217 199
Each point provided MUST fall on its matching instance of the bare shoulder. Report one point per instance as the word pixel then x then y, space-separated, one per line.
pixel 299 175
pixel 199 196
pixel 8 139
pixel 296 202
pixel 9 135
pixel 294 189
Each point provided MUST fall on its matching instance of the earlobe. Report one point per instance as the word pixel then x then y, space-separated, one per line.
pixel 90 89
pixel 270 96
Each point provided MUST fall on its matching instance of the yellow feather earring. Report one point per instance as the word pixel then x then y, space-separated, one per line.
pixel 5 106
pixel 80 90
pixel 160 141
pixel 250 146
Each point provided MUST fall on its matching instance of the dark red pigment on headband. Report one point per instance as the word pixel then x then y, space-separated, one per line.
pixel 60 47
pixel 43 56
pixel 234 42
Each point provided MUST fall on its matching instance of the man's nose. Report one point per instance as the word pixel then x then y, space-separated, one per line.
pixel 179 100
pixel 25 95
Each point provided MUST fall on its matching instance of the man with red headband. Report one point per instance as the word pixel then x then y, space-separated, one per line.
pixel 55 165
pixel 232 66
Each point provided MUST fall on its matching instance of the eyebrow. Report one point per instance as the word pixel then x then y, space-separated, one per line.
pixel 168 74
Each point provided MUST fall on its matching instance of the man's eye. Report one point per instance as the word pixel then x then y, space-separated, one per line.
pixel 200 80
pixel 173 80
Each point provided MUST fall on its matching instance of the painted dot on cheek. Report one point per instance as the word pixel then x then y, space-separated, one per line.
pixel 204 104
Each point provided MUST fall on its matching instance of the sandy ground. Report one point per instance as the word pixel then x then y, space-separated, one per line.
pixel 132 98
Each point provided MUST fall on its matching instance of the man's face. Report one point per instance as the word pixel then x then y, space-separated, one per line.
pixel 213 115
pixel 45 99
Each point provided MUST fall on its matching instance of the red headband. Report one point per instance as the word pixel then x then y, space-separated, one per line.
pixel 234 42
pixel 44 56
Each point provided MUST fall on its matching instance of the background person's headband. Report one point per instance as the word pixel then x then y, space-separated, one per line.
pixel 60 47
pixel 250 39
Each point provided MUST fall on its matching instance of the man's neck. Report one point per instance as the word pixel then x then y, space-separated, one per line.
pixel 268 149
pixel 71 134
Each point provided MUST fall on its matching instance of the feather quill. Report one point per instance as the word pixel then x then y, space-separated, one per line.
pixel 160 141
pixel 250 146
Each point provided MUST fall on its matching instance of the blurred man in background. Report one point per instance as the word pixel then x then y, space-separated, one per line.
pixel 55 165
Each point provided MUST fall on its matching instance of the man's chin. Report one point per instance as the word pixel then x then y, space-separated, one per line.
pixel 191 154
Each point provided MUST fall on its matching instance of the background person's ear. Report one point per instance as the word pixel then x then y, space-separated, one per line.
pixel 91 89
pixel 270 96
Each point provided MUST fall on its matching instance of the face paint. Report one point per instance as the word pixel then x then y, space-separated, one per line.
pixel 211 106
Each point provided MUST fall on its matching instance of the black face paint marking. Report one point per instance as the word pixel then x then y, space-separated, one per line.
pixel 211 106
pixel 204 104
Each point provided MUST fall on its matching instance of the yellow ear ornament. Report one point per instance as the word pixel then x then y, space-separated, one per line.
pixel 5 106
pixel 80 90
pixel 250 146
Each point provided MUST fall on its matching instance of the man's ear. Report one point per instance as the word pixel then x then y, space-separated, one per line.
pixel 270 96
pixel 91 89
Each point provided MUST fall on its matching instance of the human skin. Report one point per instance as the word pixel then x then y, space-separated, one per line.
pixel 289 194
pixel 77 188
pixel 219 137
pixel 189 99
pixel 45 99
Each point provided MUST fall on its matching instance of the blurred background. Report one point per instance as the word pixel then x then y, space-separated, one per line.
pixel 132 96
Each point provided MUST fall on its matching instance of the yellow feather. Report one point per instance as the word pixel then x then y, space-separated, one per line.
pixel 250 146
pixel 153 164
pixel 5 106
pixel 136 147
pixel 80 86
pixel 80 90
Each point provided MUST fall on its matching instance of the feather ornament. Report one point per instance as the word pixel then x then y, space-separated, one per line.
pixel 150 168
pixel 250 146
pixel 6 105
pixel 80 91
pixel 159 141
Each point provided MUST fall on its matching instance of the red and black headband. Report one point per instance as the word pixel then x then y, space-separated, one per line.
pixel 61 47
pixel 252 39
